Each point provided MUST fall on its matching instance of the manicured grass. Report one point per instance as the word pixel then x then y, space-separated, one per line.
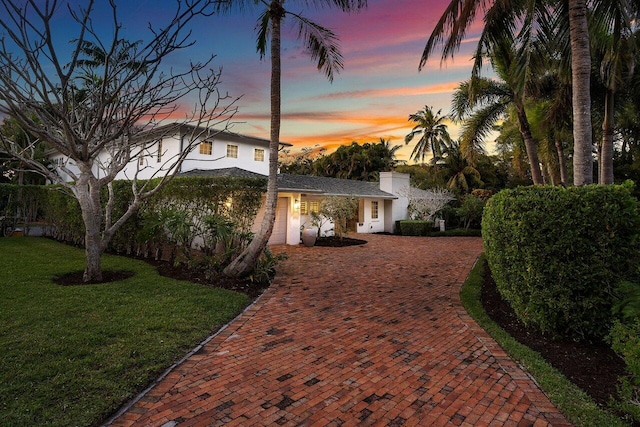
pixel 575 404
pixel 71 355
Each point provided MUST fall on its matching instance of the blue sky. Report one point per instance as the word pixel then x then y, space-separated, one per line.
pixel 370 99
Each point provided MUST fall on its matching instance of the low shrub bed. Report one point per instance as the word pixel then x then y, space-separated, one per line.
pixel 414 227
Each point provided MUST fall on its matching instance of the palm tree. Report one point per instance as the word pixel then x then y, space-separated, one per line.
pixel 432 131
pixel 520 20
pixel 322 44
pixel 616 47
pixel 581 99
pixel 482 102
pixel 463 177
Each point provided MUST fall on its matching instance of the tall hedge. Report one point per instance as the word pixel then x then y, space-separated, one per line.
pixel 556 254
pixel 201 195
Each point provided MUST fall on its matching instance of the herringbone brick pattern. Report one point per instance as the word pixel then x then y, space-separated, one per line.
pixel 366 335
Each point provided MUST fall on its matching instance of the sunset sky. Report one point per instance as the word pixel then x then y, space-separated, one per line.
pixel 370 99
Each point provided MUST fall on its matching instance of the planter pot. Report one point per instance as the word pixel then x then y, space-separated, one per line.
pixel 309 236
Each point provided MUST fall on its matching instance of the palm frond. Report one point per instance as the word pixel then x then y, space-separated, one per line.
pixel 322 44
pixel 263 30
pixel 451 28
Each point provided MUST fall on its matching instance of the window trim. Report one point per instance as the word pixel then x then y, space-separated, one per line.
pixel 255 154
pixel 231 152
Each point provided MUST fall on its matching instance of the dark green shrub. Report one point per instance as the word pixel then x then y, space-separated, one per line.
pixel 556 254
pixel 625 340
pixel 470 211
pixel 23 202
pixel 415 227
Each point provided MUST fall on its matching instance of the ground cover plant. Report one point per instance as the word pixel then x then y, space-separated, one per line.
pixel 73 354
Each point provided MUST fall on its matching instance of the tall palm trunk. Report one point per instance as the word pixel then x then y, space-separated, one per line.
pixel 561 163
pixel 530 145
pixel 580 78
pixel 244 264
pixel 606 150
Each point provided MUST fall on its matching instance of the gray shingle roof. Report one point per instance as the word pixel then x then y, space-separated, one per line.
pixel 331 186
pixel 226 172
pixel 305 183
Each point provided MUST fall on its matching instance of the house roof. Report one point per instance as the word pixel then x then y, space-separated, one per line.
pixel 198 131
pixel 331 186
pixel 226 172
pixel 305 183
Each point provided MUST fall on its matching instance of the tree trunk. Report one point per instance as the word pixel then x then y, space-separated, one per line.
pixel 562 165
pixel 581 95
pixel 88 194
pixel 606 150
pixel 530 145
pixel 246 262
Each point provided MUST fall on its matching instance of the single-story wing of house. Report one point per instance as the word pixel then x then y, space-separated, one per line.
pixel 380 204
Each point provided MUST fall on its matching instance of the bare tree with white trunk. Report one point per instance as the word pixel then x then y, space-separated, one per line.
pixel 96 100
pixel 426 204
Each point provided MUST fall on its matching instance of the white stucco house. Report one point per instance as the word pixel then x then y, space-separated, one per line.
pixel 230 154
pixel 380 204
pixel 157 149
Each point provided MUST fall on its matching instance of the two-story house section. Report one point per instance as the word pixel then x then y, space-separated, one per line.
pixel 156 150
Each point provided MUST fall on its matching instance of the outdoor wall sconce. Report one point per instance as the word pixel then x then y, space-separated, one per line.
pixel 296 204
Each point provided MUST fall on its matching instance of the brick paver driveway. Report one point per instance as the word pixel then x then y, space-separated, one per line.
pixel 365 335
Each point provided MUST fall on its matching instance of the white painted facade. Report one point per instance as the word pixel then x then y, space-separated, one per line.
pixel 225 150
pixel 221 150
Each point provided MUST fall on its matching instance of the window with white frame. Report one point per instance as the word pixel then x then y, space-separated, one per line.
pixel 159 158
pixel 304 208
pixel 232 151
pixel 206 148
pixel 374 209
pixel 258 155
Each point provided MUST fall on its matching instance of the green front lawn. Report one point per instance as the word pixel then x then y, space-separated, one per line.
pixel 72 355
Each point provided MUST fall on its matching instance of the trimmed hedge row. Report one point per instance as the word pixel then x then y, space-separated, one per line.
pixel 414 227
pixel 557 254
pixel 237 199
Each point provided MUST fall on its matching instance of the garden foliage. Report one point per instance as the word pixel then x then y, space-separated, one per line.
pixel 557 254
pixel 216 212
pixel 339 210
pixel 22 201
pixel 414 227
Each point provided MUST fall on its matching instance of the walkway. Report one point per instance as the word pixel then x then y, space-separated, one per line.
pixel 365 335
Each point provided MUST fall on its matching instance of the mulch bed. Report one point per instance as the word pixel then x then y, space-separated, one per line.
pixel 75 278
pixel 337 242
pixel 595 368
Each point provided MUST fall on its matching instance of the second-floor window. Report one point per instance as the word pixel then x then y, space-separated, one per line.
pixel 206 147
pixel 232 151
pixel 258 155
